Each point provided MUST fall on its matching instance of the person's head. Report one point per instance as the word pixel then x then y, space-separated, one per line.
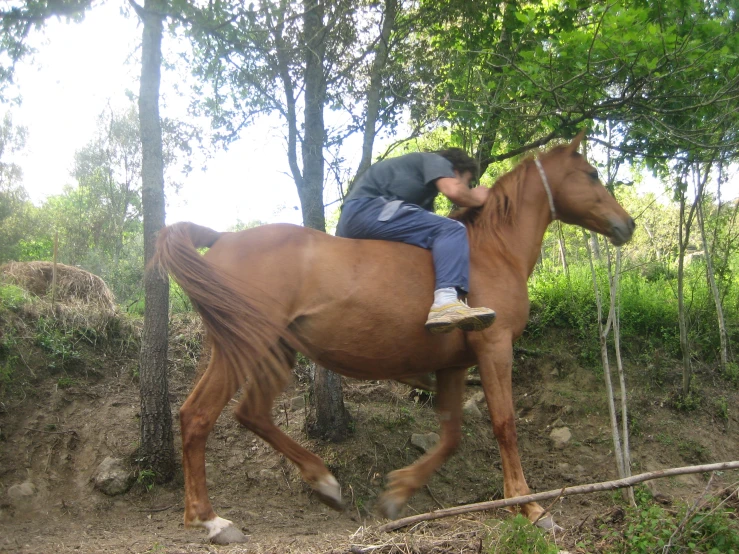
pixel 461 161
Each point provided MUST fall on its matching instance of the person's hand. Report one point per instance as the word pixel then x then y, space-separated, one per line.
pixel 480 194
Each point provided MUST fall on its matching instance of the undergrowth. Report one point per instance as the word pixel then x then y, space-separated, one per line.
pixel 709 526
pixel 518 536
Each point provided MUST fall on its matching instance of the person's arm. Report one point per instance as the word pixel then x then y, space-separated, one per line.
pixel 458 192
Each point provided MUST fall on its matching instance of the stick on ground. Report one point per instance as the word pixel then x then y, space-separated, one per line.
pixel 580 489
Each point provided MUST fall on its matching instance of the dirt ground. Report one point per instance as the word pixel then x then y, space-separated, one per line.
pixel 56 433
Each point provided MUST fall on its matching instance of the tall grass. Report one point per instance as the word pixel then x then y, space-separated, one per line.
pixel 648 305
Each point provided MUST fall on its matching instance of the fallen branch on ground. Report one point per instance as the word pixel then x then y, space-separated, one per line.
pixel 568 491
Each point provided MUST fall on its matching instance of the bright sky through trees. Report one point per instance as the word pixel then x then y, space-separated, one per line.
pixel 79 69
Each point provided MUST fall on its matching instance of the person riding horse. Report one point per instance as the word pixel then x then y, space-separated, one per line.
pixel 394 200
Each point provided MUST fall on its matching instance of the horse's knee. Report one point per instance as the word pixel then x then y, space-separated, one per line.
pixel 505 432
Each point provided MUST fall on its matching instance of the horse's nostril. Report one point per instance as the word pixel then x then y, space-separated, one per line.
pixel 632 223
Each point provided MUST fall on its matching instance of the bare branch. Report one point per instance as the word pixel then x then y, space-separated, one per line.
pixel 580 489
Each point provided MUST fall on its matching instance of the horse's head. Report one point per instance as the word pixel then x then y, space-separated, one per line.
pixel 579 196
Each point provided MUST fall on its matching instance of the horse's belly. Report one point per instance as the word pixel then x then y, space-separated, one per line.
pixel 368 348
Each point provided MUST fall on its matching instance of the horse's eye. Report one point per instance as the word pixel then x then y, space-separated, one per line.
pixel 594 174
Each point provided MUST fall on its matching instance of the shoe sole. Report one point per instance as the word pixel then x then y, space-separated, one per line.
pixel 473 323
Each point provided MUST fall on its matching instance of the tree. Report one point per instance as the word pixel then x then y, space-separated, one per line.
pixel 16 23
pixel 14 204
pixel 515 76
pixel 294 59
pixel 157 447
pixel 109 169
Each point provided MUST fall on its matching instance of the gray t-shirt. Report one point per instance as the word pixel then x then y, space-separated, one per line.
pixel 411 178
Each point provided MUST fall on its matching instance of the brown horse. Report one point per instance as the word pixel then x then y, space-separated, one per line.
pixel 358 308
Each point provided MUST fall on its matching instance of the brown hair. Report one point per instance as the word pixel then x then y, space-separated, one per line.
pixel 461 161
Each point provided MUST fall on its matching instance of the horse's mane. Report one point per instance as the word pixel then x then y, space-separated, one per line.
pixel 499 210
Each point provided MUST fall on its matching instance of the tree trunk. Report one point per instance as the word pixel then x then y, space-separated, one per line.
pixel 562 249
pixel 157 447
pixel 614 280
pixel 603 331
pixel 332 419
pixel 685 224
pixel 682 323
pixel 373 94
pixel 723 335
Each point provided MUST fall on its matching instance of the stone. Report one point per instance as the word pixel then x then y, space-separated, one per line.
pixel 560 437
pixel 297 403
pixel 470 409
pixel 424 442
pixel 479 396
pixel 112 477
pixel 22 490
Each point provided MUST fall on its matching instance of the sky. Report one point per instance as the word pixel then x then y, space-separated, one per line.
pixel 79 69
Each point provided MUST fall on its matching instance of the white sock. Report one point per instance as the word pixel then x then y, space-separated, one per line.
pixel 444 296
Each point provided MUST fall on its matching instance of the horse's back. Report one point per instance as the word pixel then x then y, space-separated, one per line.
pixel 360 305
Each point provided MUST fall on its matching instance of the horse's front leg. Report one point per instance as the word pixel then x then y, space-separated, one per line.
pixel 495 362
pixel 404 482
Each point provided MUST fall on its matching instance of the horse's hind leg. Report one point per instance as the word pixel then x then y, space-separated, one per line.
pixel 197 417
pixel 254 413
pixel 404 482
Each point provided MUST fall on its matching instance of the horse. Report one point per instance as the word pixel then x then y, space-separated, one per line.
pixel 357 307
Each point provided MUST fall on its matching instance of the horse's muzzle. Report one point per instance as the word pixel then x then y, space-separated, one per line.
pixel 622 231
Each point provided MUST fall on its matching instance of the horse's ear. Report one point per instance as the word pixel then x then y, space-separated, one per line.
pixel 575 144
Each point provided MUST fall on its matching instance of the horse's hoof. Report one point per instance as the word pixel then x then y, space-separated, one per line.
pixel 389 508
pixel 222 531
pixel 328 491
pixel 547 523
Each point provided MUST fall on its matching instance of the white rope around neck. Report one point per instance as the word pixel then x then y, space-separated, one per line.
pixel 546 188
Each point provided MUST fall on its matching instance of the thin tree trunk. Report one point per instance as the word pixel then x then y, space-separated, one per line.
pixel 686 222
pixel 616 307
pixel 157 447
pixel 603 331
pixel 562 249
pixel 332 419
pixel 683 235
pixel 723 335
pixel 373 94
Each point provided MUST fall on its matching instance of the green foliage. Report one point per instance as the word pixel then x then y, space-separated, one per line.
pixel 179 302
pixel 518 536
pixel 147 478
pixel 686 402
pixel 12 297
pixel 59 342
pixel 709 529
pixel 731 372
pixel 65 382
pixel 722 408
pixel 693 452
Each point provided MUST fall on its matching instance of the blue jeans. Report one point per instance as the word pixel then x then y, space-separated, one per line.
pixel 374 218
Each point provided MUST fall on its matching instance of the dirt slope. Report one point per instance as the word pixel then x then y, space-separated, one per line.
pixel 63 425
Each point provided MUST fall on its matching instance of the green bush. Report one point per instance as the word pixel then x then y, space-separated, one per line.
pixel 12 297
pixel 518 536
pixel 648 528
pixel 59 343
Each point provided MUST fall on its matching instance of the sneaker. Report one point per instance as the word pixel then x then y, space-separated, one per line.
pixel 458 315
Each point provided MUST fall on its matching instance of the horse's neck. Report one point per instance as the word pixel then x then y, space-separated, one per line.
pixel 524 235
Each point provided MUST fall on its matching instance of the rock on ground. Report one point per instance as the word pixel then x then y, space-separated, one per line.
pixel 112 477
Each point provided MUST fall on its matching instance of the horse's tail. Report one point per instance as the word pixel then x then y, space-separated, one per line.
pixel 239 329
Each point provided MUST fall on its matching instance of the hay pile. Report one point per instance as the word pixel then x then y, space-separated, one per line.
pixel 74 285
